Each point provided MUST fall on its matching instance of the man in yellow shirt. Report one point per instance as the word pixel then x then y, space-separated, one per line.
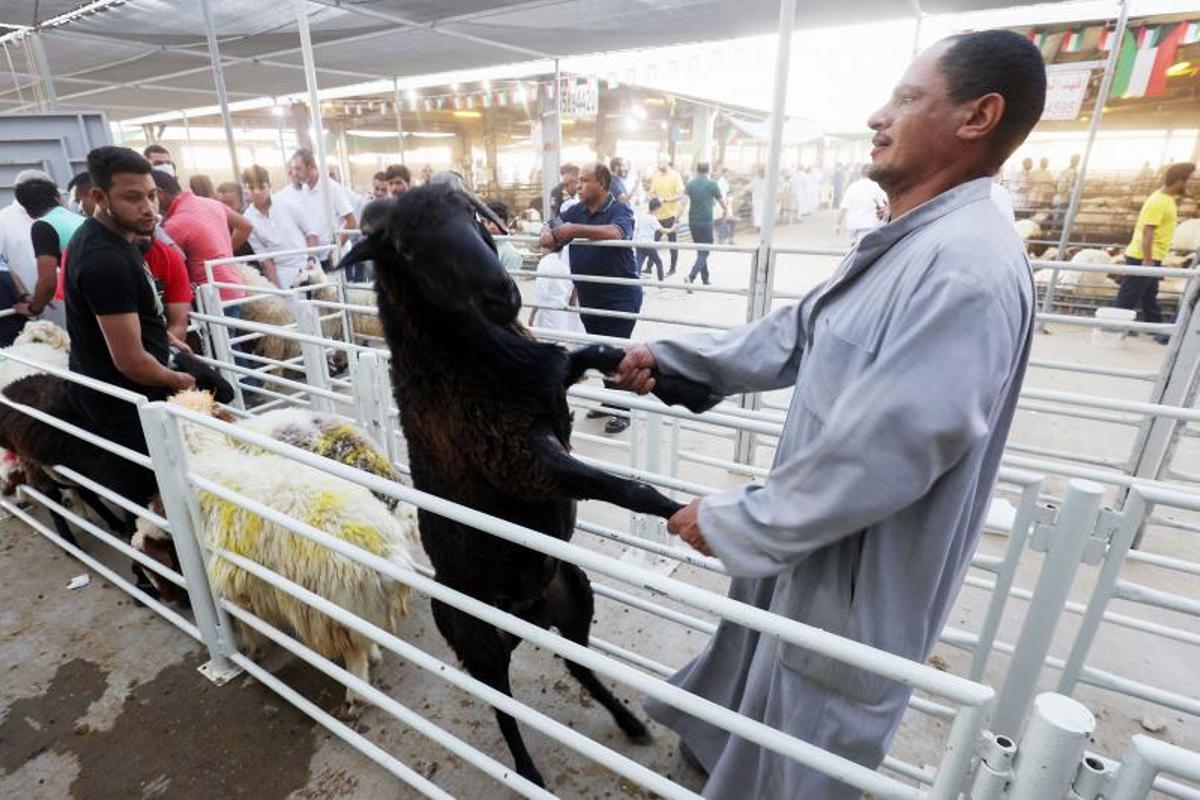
pixel 667 186
pixel 1151 241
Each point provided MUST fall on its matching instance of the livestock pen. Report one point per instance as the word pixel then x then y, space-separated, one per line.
pixel 1053 517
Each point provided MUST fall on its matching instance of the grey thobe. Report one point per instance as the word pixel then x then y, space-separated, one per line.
pixel 906 367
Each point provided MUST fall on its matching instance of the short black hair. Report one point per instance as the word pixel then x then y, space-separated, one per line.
pixel 614 162
pixel 1178 172
pixel 105 162
pixel 255 175
pixel 500 209
pixel 155 148
pixel 379 176
pixel 702 167
pixel 167 183
pixel 398 171
pixel 306 156
pixel 603 174
pixel 1004 63
pixel 83 180
pixel 36 196
pixel 655 204
pixel 227 186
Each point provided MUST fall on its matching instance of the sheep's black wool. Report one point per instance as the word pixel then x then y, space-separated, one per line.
pixel 484 411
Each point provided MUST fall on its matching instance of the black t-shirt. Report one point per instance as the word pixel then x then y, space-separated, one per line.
pixel 107 275
pixel 45 239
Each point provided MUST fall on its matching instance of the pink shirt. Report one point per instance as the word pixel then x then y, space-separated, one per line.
pixel 200 227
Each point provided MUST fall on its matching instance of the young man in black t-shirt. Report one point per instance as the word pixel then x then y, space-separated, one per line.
pixel 114 315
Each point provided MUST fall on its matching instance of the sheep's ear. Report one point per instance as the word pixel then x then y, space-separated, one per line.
pixel 367 249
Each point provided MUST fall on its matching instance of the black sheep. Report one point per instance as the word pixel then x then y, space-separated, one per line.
pixel 484 412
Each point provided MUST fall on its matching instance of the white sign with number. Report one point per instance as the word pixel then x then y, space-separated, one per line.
pixel 1065 90
pixel 580 97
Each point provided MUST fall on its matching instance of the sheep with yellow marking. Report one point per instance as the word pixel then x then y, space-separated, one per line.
pixel 338 507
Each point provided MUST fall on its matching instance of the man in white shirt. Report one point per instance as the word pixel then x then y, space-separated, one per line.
pixel 864 208
pixel 306 195
pixel 275 229
pixel 18 264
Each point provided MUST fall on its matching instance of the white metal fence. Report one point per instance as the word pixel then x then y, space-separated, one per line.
pixel 1079 531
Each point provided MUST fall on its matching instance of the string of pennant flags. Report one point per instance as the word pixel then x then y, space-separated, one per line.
pixel 464 100
pixel 1146 53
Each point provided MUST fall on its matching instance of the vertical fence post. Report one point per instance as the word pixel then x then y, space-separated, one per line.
pixel 745 442
pixel 1023 520
pixel 316 367
pixel 1132 514
pixel 169 457
pixel 1068 534
pixel 370 404
pixel 218 333
pixel 1175 386
pixel 1049 754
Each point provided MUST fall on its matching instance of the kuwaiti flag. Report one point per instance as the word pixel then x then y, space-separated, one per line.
pixel 1072 41
pixel 1191 33
pixel 1144 59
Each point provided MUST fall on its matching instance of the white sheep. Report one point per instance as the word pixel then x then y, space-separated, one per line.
pixel 336 506
pixel 41 341
pixel 1187 236
pixel 1028 229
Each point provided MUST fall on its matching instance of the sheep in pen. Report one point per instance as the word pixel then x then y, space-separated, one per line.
pixel 484 412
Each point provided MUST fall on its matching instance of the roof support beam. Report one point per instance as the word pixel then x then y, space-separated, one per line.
pixel 433 27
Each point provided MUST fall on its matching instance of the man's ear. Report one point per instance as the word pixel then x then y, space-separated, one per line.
pixel 983 115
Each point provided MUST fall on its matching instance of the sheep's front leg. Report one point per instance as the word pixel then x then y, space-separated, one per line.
pixel 583 482
pixel 358 664
pixel 671 389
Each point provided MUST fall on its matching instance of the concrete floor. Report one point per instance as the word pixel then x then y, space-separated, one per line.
pixel 101 699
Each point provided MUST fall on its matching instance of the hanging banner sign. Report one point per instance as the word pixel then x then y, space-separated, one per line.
pixel 1065 90
pixel 580 97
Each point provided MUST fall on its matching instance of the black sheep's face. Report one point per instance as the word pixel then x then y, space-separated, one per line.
pixel 430 242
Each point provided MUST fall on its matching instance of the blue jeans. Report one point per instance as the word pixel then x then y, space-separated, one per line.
pixel 702 233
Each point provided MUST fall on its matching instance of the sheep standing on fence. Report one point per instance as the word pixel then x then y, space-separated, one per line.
pixel 484 411
pixel 338 507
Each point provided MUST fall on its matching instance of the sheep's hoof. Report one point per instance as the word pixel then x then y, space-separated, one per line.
pixel 374 655
pixel 349 711
pixel 637 732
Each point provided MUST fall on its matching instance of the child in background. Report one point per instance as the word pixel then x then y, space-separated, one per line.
pixel 550 289
pixel 644 228
pixel 507 254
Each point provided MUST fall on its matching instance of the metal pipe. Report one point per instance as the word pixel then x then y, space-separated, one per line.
pixel 1110 66
pixel 214 54
pixel 1091 779
pixel 43 64
pixel 1074 524
pixel 994 771
pixel 1051 749
pixel 787 18
pixel 399 121
pixel 318 136
pixel 1144 759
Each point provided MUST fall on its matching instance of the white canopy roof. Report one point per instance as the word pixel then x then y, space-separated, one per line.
pixel 137 57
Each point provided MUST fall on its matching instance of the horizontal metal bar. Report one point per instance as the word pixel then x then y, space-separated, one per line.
pixel 659 610
pixel 101 569
pixel 1035 406
pixel 96 531
pixel 304 388
pixel 338 728
pixel 108 494
pixel 1115 372
pixel 1115 269
pixel 724 463
pixel 132 398
pixel 384 702
pixel 1066 455
pixel 1166 562
pixel 689 557
pixel 1137 593
pixel 630 657
pixel 234 322
pixel 1108 324
pixel 1142 691
pixel 847 651
pixel 644 282
pixel 87 436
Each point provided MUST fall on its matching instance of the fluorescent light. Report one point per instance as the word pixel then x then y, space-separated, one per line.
pixel 370 134
pixel 467 114
pixel 431 134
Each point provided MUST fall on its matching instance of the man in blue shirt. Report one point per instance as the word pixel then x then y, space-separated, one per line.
pixel 620 171
pixel 599 217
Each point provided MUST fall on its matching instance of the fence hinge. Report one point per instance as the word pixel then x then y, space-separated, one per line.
pixel 1045 520
pixel 1107 525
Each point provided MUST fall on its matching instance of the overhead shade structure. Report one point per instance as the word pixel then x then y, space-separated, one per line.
pixel 795 130
pixel 134 58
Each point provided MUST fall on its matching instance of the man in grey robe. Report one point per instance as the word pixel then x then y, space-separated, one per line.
pixel 906 366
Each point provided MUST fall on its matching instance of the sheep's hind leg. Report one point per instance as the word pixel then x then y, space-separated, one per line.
pixel 358 664
pixel 583 482
pixel 571 604
pixel 486 653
